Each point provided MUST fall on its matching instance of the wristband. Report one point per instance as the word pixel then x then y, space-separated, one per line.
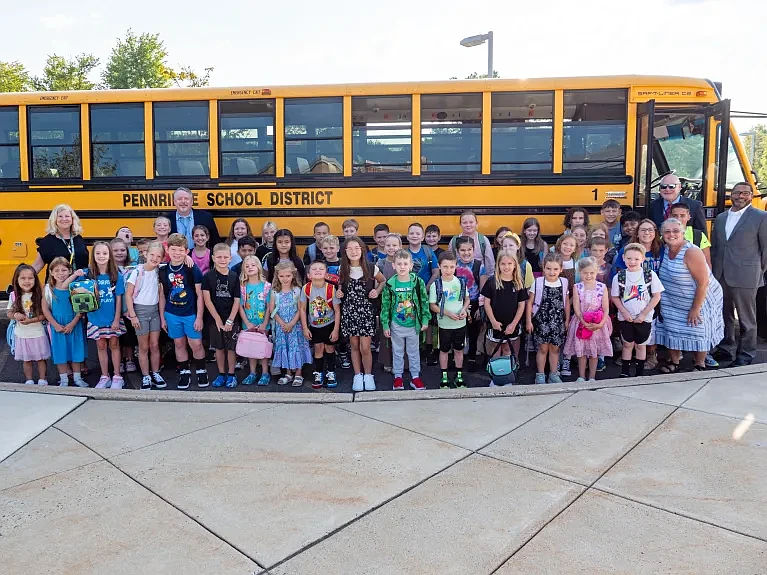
pixel 229 322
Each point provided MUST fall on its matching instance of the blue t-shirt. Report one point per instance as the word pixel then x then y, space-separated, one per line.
pixel 256 298
pixel 464 270
pixel 375 255
pixel 422 265
pixel 105 315
pixel 179 288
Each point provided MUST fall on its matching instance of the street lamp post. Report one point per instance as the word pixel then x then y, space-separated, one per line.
pixel 478 40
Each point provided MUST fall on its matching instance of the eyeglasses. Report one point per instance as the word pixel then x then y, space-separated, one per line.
pixel 667 186
pixel 740 193
pixel 647 230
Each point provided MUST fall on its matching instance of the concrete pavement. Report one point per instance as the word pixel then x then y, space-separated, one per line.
pixel 662 476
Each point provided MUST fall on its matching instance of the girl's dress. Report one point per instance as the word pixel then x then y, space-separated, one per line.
pixel 255 300
pixel 358 315
pixel 549 322
pixel 599 343
pixel 31 340
pixel 291 350
pixel 71 346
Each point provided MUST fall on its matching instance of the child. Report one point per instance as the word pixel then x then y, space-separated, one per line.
pixel 378 253
pixel 358 291
pixel 143 247
pixel 576 217
pixel 142 296
pixel 535 248
pixel 681 212
pixel 512 243
pixel 548 316
pixel 291 348
pixel 125 234
pixel 200 253
pixel 598 249
pixel 181 311
pixel 483 249
pixel 66 329
pixel 106 325
pixel 581 235
pixel 240 228
pixel 629 224
pixel 128 340
pixel 433 236
pixel 321 321
pixel 246 246
pixel 567 248
pixel 449 299
pixel 350 228
pixel 505 299
pixel 588 336
pixel 284 252
pixel 314 251
pixel 329 248
pixel 267 240
pixel 25 306
pixel 424 261
pixel 392 245
pixel 162 231
pixel 221 293
pixel 611 213
pixel 254 301
pixel 500 233
pixel 404 314
pixel 635 292
pixel 473 274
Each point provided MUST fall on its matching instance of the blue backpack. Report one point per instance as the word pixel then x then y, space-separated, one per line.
pixel 84 295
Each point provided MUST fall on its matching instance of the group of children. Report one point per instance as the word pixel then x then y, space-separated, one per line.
pixel 343 299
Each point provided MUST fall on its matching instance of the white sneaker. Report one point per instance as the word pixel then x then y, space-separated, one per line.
pixel 117 382
pixel 104 382
pixel 369 381
pixel 81 382
pixel 358 382
pixel 29 382
pixel 42 382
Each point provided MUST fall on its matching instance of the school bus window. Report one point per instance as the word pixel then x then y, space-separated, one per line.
pixel 522 131
pixel 247 137
pixel 54 140
pixel 594 134
pixel 381 134
pixel 314 136
pixel 117 140
pixel 181 139
pixel 451 133
pixel 10 168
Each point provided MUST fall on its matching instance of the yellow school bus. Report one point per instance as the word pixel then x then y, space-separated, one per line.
pixel 393 153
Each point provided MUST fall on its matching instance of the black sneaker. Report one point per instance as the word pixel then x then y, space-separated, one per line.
pixel 345 362
pixel 445 383
pixel 183 379
pixel 433 358
pixel 458 381
pixel 158 380
pixel 202 378
pixel 146 382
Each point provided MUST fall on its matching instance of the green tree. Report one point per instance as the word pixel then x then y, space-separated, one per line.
pixel 62 74
pixel 759 161
pixel 138 62
pixel 476 76
pixel 14 77
pixel 188 78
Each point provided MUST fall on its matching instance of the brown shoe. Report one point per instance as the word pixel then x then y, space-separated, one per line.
pixel 651 362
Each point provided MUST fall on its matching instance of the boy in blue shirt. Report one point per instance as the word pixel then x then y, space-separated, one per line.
pixel 380 233
pixel 424 261
pixel 473 274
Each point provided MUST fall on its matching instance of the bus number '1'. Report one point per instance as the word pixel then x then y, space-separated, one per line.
pixel 595 194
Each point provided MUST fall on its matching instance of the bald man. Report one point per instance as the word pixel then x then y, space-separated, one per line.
pixel 670 193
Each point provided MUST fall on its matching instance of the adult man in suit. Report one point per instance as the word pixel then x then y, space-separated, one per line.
pixel 739 262
pixel 670 194
pixel 185 218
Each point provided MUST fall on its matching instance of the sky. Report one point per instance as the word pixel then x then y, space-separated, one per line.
pixel 263 43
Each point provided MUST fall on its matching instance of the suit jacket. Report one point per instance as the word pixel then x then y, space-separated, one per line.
pixel 697 217
pixel 201 218
pixel 741 261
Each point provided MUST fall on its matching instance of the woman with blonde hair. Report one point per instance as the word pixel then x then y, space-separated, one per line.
pixel 64 239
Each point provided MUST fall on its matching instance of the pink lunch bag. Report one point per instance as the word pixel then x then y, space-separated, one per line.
pixel 254 345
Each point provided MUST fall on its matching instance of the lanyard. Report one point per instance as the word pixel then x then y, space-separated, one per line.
pixel 70 245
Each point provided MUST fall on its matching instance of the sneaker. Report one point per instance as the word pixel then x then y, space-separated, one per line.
pixel 540 378
pixel 231 381
pixel 104 382
pixel 146 382
pixel 580 380
pixel 29 382
pixel 64 382
pixel 130 366
pixel 250 379
pixel 592 380
pixel 118 382
pixel 710 361
pixel 122 367
pixel 417 384
pixel 264 379
pixel 398 385
pixel 652 362
pixel 317 383
pixel 471 365
pixel 369 381
pixel 458 381
pixel 42 382
pixel 445 382
pixel 202 378
pixel 565 367
pixel 388 369
pixel 433 358
pixel 330 379
pixel 358 383
pixel 210 356
pixel 554 378
pixel 220 381
pixel 601 364
pixel 619 361
pixel 184 377
pixel 238 365
pixel 158 380
pixel 345 361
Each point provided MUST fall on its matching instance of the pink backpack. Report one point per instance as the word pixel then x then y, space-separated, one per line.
pixel 254 345
pixel 538 291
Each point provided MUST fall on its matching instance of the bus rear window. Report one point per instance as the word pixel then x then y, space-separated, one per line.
pixel 10 168
pixel 594 134
pixel 54 139
pixel 117 140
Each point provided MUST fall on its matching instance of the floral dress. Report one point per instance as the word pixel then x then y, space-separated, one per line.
pixel 549 322
pixel 358 316
pixel 599 343
pixel 291 350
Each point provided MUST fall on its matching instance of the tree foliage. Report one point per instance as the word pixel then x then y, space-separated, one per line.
pixel 477 76
pixel 138 62
pixel 759 160
pixel 63 74
pixel 14 77
pixel 188 78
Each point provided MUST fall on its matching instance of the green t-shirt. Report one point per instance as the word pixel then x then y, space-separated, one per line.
pixel 451 293
pixel 403 306
pixel 689 234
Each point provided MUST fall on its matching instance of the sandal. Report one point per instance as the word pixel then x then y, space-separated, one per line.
pixel 700 368
pixel 298 381
pixel 285 379
pixel 669 367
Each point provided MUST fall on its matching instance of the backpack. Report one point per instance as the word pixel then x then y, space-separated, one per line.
pixel 84 295
pixel 10 334
pixel 140 275
pixel 312 251
pixel 440 296
pixel 647 276
pixel 538 291
pixel 697 237
pixel 503 370
pixel 482 239
pixel 330 292
pixel 523 269
pixel 429 254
